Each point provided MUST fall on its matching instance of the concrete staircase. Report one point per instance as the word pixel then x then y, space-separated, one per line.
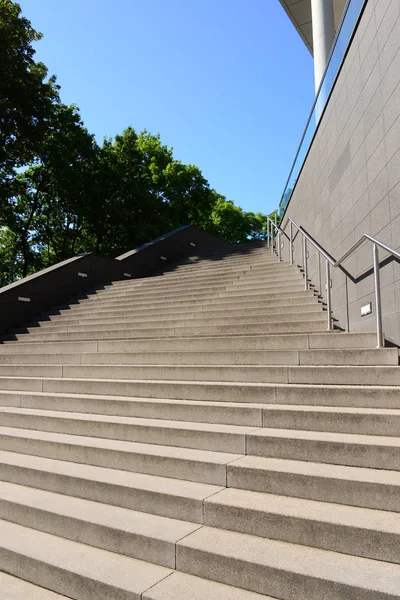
pixel 198 435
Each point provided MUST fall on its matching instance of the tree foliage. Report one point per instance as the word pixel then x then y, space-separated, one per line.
pixel 61 193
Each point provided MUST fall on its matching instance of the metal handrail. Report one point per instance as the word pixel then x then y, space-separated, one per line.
pixel 329 261
pixel 270 236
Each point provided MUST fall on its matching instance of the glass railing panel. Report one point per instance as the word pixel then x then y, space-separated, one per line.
pixel 342 40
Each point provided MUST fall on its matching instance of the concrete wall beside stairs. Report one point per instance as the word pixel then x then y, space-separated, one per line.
pixel 350 182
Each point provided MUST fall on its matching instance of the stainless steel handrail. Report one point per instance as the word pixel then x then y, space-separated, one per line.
pixel 270 236
pixel 329 261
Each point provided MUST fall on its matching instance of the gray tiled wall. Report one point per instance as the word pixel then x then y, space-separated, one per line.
pixel 350 183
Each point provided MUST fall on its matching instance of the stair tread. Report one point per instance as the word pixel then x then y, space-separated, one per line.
pixel 13 588
pixel 315 469
pixel 126 575
pixel 340 569
pixel 136 481
pixel 181 586
pixel 115 517
pixel 143 422
pixel 329 437
pixel 227 384
pixel 311 510
pixel 184 454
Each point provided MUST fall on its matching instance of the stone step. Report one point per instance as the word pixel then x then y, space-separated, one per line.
pixel 200 343
pixel 196 312
pixel 278 568
pixel 150 494
pixel 13 588
pixel 250 278
pixel 180 434
pixel 235 299
pixel 249 292
pixel 351 530
pixel 316 325
pixel 187 587
pixel 195 273
pixel 213 265
pixel 330 375
pixel 346 357
pixel 201 466
pixel 326 447
pixel 73 569
pixel 260 286
pixel 168 282
pixel 354 486
pixel 191 294
pixel 124 531
pixel 209 305
pixel 209 283
pixel 202 293
pixel 180 279
pixel 227 413
pixel 193 319
pixel 167 290
pixel 309 305
pixel 368 421
pixel 259 393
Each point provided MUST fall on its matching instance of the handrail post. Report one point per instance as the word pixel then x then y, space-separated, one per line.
pixel 328 294
pixel 267 233
pixel 278 241
pixel 378 304
pixel 272 238
pixel 291 243
pixel 305 265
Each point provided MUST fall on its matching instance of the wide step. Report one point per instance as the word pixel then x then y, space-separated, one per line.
pixel 164 496
pixel 285 570
pixel 138 535
pixel 74 569
pixel 180 463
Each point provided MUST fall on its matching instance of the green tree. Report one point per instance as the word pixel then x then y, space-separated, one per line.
pixel 55 195
pixel 27 96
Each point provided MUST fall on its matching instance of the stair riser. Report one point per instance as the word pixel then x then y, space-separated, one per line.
pixel 193 273
pixel 59 579
pixel 212 358
pixel 256 309
pixel 237 300
pixel 160 358
pixel 210 284
pixel 217 413
pixel 200 293
pixel 166 282
pixel 263 579
pixel 147 501
pixel 142 547
pixel 240 279
pixel 337 453
pixel 185 438
pixel 78 311
pixel 263 394
pixel 168 290
pixel 248 374
pixel 195 320
pixel 215 265
pixel 367 542
pixel 325 489
pixel 207 344
pixel 248 293
pixel 375 424
pixel 177 468
pixel 295 327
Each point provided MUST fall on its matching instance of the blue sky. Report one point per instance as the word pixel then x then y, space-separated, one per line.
pixel 227 83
